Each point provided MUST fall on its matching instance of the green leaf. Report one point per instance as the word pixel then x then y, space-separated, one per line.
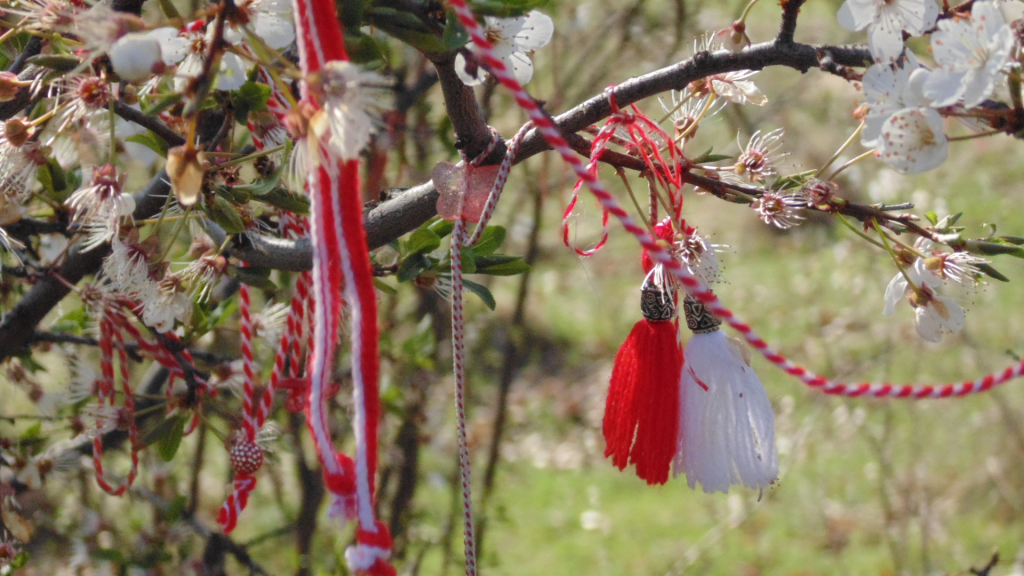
pixel 990 271
pixel 512 268
pixel 34 432
pixel 947 222
pixel 176 509
pixel 224 214
pixel 250 97
pixel 494 260
pixel 454 36
pixel 286 200
pixel 419 348
pixel 57 62
pixel 707 157
pixel 109 555
pixel 60 182
pixel 406 27
pixel 384 287
pixel 29 363
pixel 422 241
pixel 441 227
pixel 150 140
pixel 73 322
pixel 468 261
pixel 365 49
pixel 233 194
pixel 350 13
pixel 994 248
pixel 169 10
pixel 505 8
pixel 481 291
pixel 162 104
pixel 413 266
pixel 1015 240
pixel 45 177
pixel 492 239
pixel 20 560
pixel 168 444
pixel 932 217
pixel 255 277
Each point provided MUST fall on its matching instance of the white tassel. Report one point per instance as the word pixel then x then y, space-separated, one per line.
pixel 727 427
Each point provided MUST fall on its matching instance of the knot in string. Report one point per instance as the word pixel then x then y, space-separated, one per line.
pixel 495 140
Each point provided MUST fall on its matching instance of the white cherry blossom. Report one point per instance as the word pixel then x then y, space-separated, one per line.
pixel 187 48
pixel 970 55
pixel 899 121
pixel 512 39
pixel 271 20
pixel 884 88
pixel 165 302
pixel 100 206
pixel 913 141
pixel 699 255
pixel 351 101
pixel 934 314
pixel 886 20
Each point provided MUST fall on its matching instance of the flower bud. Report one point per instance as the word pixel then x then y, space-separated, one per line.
pixel 16 132
pixel 185 170
pixel 136 57
pixel 9 86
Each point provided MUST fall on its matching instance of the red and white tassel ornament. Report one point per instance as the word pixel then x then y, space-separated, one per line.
pixel 641 419
pixel 341 270
pixel 727 427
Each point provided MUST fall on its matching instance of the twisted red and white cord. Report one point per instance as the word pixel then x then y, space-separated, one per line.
pixel 242 487
pixel 110 337
pixel 249 384
pixel 499 181
pixel 549 130
pixel 341 264
pixel 458 359
pixel 458 241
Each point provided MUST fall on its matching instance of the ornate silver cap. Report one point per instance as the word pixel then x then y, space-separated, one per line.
pixel 698 319
pixel 656 303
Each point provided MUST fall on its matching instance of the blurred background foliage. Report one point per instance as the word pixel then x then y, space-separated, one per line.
pixel 867 486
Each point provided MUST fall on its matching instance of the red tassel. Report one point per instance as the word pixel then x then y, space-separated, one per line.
pixel 641 419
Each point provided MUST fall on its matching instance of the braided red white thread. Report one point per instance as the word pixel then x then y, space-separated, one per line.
pixel 548 129
pixel 341 263
pixel 460 239
pixel 109 337
pixel 499 181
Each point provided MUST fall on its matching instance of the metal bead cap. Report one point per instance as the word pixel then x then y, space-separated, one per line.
pixel 698 319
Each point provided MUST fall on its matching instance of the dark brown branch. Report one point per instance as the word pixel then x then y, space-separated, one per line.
pixel 130 6
pixel 312 496
pixel 790 12
pixel 18 325
pixel 464 111
pixel 152 123
pixel 408 210
pixel 30 227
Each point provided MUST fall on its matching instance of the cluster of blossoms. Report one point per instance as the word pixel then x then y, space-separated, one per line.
pixel 906 102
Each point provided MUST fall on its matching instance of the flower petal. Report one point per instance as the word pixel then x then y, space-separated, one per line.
pixel 894 293
pixel 537 30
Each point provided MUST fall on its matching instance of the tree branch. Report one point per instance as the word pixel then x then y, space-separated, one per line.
pixel 790 12
pixel 150 122
pixel 473 134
